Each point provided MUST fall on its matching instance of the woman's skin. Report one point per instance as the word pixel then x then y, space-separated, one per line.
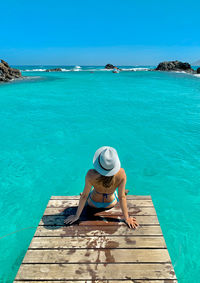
pixel 119 181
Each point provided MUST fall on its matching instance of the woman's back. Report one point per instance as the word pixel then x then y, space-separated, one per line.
pixel 104 187
pixel 107 176
pixel 101 185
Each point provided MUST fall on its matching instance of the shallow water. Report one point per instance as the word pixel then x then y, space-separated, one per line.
pixel 52 125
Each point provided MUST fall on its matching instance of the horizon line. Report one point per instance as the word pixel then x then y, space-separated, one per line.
pixel 142 65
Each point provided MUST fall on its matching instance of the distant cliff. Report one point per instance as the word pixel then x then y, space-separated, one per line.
pixel 7 73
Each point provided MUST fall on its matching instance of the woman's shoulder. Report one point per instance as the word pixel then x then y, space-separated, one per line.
pixel 91 174
pixel 121 174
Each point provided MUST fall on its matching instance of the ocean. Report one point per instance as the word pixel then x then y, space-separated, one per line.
pixel 51 125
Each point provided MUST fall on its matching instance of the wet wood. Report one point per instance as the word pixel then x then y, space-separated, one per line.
pixel 98 255
pixel 101 230
pixel 58 220
pixel 98 248
pixel 134 211
pixel 96 271
pixel 97 242
pixel 105 281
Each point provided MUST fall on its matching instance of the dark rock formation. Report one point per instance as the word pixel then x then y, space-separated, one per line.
pixel 198 71
pixel 54 70
pixel 7 73
pixel 174 66
pixel 5 63
pixel 109 66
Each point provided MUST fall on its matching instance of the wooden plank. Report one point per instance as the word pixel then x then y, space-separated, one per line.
pixel 95 271
pixel 77 230
pixel 103 281
pixel 99 248
pixel 133 211
pixel 90 213
pixel 78 196
pixel 97 242
pixel 67 203
pixel 59 220
pixel 97 256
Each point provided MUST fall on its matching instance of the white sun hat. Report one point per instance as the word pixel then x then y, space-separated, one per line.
pixel 106 161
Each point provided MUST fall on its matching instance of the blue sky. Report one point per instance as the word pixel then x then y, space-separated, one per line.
pixel 85 32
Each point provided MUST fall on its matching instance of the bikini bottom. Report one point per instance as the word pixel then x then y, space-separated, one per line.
pixel 102 204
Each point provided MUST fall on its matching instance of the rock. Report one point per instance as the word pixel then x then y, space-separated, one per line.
pixel 54 70
pixel 5 63
pixel 15 72
pixel 109 66
pixel 198 71
pixel 174 66
pixel 7 73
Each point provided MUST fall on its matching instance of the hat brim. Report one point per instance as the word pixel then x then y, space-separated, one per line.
pixel 99 169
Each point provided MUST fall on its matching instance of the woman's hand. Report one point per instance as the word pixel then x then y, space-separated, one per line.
pixel 71 219
pixel 131 222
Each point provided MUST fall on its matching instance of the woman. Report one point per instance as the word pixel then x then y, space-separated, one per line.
pixel 105 178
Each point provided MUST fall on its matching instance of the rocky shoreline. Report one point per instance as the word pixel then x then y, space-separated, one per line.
pixel 7 73
pixel 167 66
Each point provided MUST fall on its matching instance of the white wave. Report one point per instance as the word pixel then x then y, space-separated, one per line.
pixel 65 70
pixel 34 70
pixel 32 78
pixel 186 73
pixel 107 70
pixel 76 69
pixel 180 72
pixel 125 69
pixel 197 75
pixel 135 69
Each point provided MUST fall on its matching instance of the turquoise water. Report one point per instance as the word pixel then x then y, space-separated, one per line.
pixel 51 126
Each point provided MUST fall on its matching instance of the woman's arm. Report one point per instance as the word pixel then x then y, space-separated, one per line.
pixel 72 218
pixel 130 221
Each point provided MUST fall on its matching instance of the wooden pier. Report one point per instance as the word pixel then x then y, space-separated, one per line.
pixel 100 248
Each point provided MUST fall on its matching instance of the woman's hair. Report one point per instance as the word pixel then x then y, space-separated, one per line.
pixel 105 181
